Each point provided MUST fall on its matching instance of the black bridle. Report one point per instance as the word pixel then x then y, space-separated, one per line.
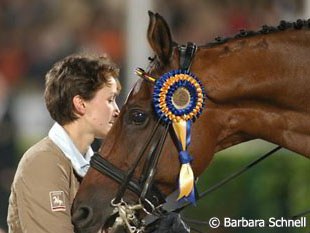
pixel 143 188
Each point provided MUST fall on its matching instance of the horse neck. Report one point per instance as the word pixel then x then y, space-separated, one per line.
pixel 257 87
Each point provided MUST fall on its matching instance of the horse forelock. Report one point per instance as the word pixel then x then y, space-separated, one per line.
pixel 140 91
pixel 134 90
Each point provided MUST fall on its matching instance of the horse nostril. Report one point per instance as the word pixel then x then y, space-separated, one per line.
pixel 82 216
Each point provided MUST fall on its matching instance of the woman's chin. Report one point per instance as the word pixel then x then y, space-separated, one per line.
pixel 101 135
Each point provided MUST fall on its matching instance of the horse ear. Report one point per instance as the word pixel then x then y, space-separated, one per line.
pixel 159 37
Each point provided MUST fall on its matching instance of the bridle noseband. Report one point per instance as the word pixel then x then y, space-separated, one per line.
pixel 150 198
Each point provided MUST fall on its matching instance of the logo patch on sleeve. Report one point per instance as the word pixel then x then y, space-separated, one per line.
pixel 57 199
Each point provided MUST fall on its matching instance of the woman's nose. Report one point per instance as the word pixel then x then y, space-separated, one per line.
pixel 116 111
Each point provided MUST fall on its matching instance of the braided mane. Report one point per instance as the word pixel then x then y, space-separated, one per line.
pixel 283 25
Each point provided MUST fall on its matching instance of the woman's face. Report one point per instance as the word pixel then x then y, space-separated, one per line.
pixel 102 110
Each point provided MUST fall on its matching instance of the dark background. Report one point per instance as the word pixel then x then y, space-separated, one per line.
pixel 36 33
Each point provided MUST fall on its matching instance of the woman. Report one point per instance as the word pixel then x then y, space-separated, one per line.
pixel 80 94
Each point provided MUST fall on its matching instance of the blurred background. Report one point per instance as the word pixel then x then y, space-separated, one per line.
pixel 36 33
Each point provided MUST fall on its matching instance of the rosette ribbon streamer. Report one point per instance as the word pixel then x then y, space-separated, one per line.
pixel 179 98
pixel 186 177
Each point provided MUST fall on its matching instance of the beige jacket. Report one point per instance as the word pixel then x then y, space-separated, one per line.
pixel 42 192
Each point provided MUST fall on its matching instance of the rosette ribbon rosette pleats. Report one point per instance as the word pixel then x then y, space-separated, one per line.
pixel 179 98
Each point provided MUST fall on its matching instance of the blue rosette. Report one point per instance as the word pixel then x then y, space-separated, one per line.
pixel 177 95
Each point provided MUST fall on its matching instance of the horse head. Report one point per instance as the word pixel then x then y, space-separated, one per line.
pixel 255 87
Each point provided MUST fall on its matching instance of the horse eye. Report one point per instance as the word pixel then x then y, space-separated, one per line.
pixel 137 117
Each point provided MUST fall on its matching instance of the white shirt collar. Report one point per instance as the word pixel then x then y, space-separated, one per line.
pixel 60 137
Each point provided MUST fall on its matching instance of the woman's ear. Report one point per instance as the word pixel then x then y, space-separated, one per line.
pixel 79 105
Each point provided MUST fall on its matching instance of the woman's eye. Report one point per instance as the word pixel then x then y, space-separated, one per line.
pixel 137 117
pixel 111 100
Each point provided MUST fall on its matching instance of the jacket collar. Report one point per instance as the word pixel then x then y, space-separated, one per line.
pixel 60 137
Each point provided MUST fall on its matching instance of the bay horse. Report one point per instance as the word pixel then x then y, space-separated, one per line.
pixel 257 85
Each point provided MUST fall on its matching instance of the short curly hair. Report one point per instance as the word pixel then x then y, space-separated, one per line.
pixel 81 75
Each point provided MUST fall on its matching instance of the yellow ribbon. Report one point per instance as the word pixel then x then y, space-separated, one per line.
pixel 186 176
pixel 180 131
pixel 186 180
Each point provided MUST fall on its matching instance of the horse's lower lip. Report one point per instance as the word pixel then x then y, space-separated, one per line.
pixel 103 230
pixel 109 222
pixel 91 230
